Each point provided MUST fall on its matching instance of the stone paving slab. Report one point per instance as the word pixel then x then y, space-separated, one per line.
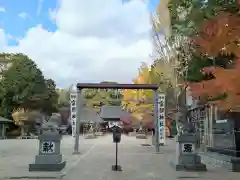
pixel 16 155
pixel 138 163
pixel 97 156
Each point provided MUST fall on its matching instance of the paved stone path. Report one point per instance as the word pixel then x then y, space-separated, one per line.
pixel 96 159
pixel 17 154
pixel 138 162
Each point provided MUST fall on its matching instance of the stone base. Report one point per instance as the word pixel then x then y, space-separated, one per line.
pixel 141 136
pixel 160 144
pixel 76 153
pixel 47 167
pixel 99 133
pixel 226 162
pixel 90 136
pixel 132 134
pixel 189 167
pixel 146 144
pixel 235 164
pixel 48 159
pixel 116 168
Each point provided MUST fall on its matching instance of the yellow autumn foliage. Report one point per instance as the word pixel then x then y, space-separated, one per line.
pixel 19 115
pixel 139 102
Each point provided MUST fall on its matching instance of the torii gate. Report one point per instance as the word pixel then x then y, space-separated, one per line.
pixel 157 116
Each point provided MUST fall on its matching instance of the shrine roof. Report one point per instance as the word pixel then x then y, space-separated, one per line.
pixel 89 114
pixel 112 112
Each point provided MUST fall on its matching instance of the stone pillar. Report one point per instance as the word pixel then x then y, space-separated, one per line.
pixel 187 158
pixel 78 117
pixel 4 131
pixel 49 157
pixel 156 118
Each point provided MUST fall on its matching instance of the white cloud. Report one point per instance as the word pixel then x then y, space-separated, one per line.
pixel 2 9
pixel 3 39
pixel 39 7
pixel 24 15
pixel 95 40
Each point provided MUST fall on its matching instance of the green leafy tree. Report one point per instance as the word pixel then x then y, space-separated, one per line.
pixel 23 86
pixel 63 97
pixel 50 103
pixel 187 15
pixel 96 98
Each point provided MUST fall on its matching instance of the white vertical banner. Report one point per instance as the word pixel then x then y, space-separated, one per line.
pixel 161 118
pixel 73 111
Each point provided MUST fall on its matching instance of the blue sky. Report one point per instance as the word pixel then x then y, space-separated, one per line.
pixel 122 36
pixel 35 12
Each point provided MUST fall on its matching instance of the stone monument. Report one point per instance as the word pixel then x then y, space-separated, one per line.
pixel 98 131
pixel 90 134
pixel 141 133
pixel 187 158
pixel 49 157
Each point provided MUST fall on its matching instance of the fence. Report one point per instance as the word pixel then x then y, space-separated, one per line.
pixel 217 132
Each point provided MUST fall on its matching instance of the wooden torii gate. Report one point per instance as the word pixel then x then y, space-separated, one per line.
pixel 81 86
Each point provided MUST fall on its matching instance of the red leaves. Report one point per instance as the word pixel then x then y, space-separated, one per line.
pixel 219 35
pixel 226 81
pixel 205 89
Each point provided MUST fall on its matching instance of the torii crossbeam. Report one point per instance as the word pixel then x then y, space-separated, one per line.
pixel 116 86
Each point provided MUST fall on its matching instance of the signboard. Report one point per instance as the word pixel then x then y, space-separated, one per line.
pixel 161 118
pixel 221 121
pixel 187 148
pixel 73 112
pixel 48 147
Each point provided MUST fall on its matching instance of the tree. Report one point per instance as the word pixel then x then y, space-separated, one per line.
pixel 63 97
pixel 63 104
pixel 23 90
pixel 27 120
pixel 50 103
pixel 219 36
pixel 173 54
pixel 166 78
pixel 187 15
pixel 96 98
pixel 161 23
pixel 20 117
pixel 5 61
pixel 23 85
pixel 140 102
